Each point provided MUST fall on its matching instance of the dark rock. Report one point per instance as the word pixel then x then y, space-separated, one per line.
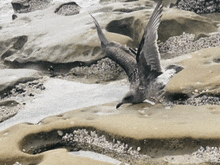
pixel 67 9
pixel 129 26
pixel 25 6
pixel 198 6
pixel 14 16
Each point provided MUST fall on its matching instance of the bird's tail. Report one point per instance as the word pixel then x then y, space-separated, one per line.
pixel 101 35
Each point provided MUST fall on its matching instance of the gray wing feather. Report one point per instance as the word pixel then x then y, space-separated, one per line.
pixel 118 53
pixel 148 48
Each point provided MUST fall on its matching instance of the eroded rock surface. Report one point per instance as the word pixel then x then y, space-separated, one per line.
pixel 201 74
pixel 67 42
pixel 143 133
pixel 13 77
pixel 175 22
pixel 185 131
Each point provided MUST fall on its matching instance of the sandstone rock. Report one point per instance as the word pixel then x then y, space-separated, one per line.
pixel 140 134
pixel 11 77
pixel 25 6
pixel 67 42
pixel 53 40
pixel 201 74
pixel 175 22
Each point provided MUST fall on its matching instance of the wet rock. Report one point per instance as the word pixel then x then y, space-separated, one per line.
pixel 199 6
pixel 12 77
pixel 200 76
pixel 171 135
pixel 25 6
pixel 67 9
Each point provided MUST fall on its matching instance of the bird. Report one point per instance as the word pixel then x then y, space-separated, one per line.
pixel 143 68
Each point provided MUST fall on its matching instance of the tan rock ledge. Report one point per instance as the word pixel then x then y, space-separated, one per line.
pixel 201 73
pixel 157 131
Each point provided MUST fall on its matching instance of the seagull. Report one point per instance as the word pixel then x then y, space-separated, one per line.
pixel 146 76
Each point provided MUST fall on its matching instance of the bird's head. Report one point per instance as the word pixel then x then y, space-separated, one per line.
pixel 129 98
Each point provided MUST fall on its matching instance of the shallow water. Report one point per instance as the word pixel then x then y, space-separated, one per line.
pixel 96 156
pixel 61 96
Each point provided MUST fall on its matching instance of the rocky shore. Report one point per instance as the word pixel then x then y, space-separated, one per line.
pixel 58 91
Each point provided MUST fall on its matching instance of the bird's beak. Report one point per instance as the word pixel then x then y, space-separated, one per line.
pixel 119 104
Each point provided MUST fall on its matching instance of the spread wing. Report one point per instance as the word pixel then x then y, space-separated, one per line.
pixel 148 56
pixel 118 53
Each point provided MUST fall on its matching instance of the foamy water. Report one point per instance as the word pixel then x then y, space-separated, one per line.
pixel 6 9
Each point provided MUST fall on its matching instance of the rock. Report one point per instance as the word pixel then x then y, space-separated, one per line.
pixel 12 46
pixel 14 16
pixel 175 22
pixel 200 6
pixel 13 77
pixel 170 135
pixel 105 70
pixel 43 46
pixel 25 6
pixel 8 108
pixel 67 42
pixel 67 9
pixel 200 76
pixel 187 43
